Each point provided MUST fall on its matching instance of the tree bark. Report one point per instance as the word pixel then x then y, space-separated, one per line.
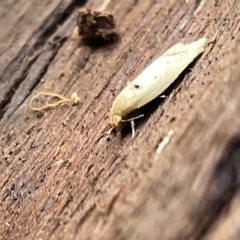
pixel 64 177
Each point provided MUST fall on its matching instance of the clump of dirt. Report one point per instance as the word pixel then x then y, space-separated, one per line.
pixel 95 27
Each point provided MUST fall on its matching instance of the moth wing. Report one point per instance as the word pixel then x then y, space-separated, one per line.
pixel 159 75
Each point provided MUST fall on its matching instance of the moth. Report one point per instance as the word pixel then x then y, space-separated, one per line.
pixel 153 81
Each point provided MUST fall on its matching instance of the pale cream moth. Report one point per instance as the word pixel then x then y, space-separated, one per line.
pixel 154 80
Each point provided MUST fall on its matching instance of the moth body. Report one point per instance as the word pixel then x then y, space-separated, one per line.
pixel 154 80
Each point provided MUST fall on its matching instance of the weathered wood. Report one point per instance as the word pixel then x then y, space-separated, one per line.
pixel 63 178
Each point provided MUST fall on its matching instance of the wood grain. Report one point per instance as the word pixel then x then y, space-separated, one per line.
pixel 62 177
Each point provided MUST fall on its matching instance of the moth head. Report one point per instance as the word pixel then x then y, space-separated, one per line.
pixel 117 122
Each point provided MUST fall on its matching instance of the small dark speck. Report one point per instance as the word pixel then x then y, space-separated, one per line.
pixel 172 119
pixel 136 86
pixel 13 186
pixel 56 39
pixel 15 198
pixel 39 115
pixel 113 92
pixel 62 75
pixel 49 168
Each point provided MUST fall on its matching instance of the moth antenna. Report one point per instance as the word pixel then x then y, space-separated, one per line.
pixel 132 119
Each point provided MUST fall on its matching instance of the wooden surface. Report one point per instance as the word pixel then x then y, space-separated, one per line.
pixel 62 177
